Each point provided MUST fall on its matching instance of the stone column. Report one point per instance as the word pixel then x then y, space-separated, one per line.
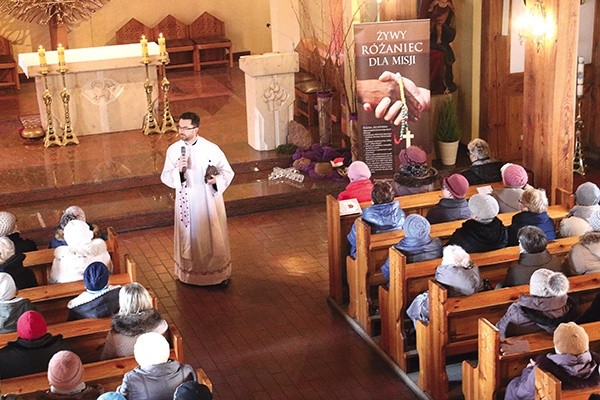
pixel 269 97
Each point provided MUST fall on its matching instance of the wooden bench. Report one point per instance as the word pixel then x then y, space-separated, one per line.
pixel 364 272
pixel 338 228
pixel 180 46
pixel 51 300
pixel 41 260
pixel 548 387
pixel 212 47
pixel 108 372
pixel 409 280
pixel 494 370
pixel 453 325
pixel 132 32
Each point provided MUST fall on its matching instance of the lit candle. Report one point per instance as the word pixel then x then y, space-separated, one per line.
pixel 61 55
pixel 162 46
pixel 580 64
pixel 144 43
pixel 42 55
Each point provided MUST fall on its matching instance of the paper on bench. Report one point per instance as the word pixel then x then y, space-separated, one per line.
pixel 485 189
pixel 349 207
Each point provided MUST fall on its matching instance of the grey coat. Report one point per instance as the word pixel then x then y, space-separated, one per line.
pixel 584 256
pixel 449 210
pixel 10 311
pixel 520 272
pixel 508 199
pixel 156 382
pixel 517 322
pixel 584 212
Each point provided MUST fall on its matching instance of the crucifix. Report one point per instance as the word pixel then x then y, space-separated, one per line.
pixel 407 135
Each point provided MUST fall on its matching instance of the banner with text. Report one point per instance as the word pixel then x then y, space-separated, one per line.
pixel 392 80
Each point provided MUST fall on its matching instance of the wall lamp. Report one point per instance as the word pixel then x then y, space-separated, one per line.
pixel 535 24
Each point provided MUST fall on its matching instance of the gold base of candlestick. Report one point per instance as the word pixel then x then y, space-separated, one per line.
pixel 69 136
pixel 578 161
pixel 150 125
pixel 168 123
pixel 51 138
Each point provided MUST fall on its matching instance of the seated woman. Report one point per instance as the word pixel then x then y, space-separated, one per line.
pixel 534 207
pixel 533 256
pixel 136 316
pixel 414 175
pixel 384 215
pixel 8 228
pixel 82 249
pixel 542 309
pixel 360 186
pixel 156 377
pixel 483 232
pixel 457 273
pixel 483 169
pixel 11 306
pixel 416 245
pixel 587 197
pixel 514 179
pixel 584 256
pixel 12 264
pixel 574 226
pixel 192 390
pixel 65 375
pixel 575 366
pixel 70 214
pixel 453 205
pixel 32 350
pixel 99 299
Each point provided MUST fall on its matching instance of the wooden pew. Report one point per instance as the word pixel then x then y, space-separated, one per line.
pixel 495 370
pixel 409 280
pixel 453 325
pixel 548 387
pixel 108 372
pixel 41 260
pixel 372 249
pixel 51 300
pixel 338 228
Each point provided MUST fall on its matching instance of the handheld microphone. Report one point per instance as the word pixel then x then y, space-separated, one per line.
pixel 183 156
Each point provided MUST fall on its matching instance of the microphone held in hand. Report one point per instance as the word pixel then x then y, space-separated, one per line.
pixel 184 168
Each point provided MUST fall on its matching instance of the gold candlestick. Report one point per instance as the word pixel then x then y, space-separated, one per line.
pixel 51 138
pixel 150 126
pixel 168 123
pixel 68 135
pixel 578 161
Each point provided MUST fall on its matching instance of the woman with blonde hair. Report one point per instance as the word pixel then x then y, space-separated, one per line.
pixel 136 316
pixel 534 207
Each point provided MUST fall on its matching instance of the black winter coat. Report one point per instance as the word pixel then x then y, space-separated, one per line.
pixel 475 237
pixel 24 277
pixel 24 357
pixel 486 172
pixel 22 245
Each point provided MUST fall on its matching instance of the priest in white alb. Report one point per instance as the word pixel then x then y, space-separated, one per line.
pixel 199 172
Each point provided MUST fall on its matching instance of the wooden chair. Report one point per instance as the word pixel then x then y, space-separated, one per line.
pixel 9 72
pixel 212 47
pixel 132 32
pixel 180 47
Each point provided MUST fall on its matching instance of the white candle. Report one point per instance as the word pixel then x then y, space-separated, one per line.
pixel 580 91
pixel 580 64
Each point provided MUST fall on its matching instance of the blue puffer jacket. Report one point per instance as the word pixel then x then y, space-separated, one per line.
pixel 382 218
pixel 416 250
pixel 541 220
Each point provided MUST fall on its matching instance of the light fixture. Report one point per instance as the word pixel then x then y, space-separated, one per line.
pixel 535 23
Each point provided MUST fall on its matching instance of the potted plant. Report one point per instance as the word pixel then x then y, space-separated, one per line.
pixel 448 133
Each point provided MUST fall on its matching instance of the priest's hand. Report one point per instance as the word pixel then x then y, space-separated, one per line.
pixel 182 164
pixel 212 180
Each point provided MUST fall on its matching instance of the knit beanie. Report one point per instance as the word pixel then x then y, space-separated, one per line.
pixel 456 184
pixel 8 222
pixel 95 276
pixel 31 325
pixel 78 233
pixel 358 170
pixel 594 221
pixel 574 226
pixel 483 207
pixel 65 371
pixel 111 396
pixel 570 338
pixel 150 349
pixel 192 390
pixel 587 194
pixel 416 226
pixel 546 283
pixel 412 155
pixel 513 175
pixel 8 288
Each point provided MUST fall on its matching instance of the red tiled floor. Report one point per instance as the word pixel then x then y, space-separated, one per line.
pixel 270 334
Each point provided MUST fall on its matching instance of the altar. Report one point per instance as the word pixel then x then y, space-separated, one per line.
pixel 106 85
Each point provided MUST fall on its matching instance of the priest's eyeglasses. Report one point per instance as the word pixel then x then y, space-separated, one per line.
pixel 186 128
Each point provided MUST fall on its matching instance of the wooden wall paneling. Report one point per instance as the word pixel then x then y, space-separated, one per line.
pixel 398 10
pixel 549 107
pixel 592 100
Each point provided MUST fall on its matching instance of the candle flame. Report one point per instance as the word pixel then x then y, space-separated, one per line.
pixel 143 36
pixel 160 35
